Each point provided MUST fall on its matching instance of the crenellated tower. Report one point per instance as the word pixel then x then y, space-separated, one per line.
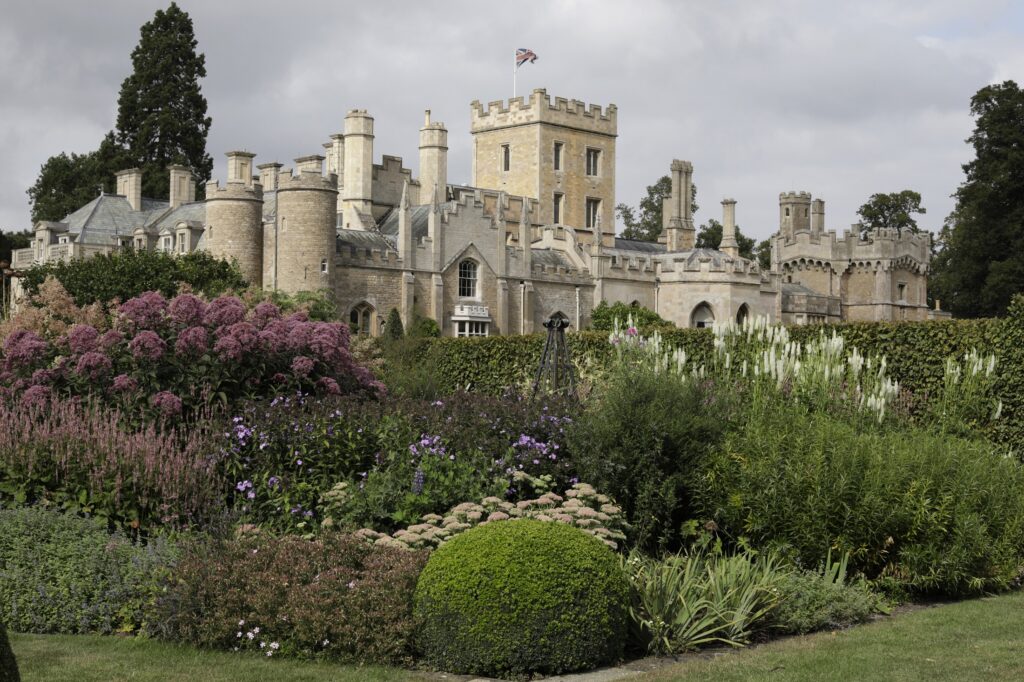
pixel 234 218
pixel 302 247
pixel 560 152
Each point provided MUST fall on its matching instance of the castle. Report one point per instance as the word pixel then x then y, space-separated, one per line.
pixel 532 237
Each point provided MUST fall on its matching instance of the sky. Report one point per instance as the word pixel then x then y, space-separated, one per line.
pixel 842 100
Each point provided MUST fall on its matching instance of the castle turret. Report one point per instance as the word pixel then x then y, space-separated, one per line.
pixel 234 218
pixel 433 155
pixel 182 186
pixel 268 175
pixel 305 224
pixel 729 244
pixel 794 213
pixel 357 186
pixel 129 185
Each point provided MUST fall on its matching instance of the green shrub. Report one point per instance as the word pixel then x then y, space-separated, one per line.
pixel 810 601
pixel 521 597
pixel 686 601
pixel 8 666
pixel 932 513
pixel 393 330
pixel 424 328
pixel 603 316
pixel 64 574
pixel 637 440
pixel 337 598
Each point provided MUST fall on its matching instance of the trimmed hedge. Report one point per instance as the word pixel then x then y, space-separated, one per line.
pixel 916 353
pixel 522 597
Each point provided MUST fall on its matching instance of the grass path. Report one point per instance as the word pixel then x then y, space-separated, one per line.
pixel 980 639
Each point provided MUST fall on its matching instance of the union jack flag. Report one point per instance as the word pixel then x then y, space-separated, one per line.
pixel 524 55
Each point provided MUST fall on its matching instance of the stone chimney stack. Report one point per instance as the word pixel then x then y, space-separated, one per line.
pixel 183 187
pixel 729 244
pixel 129 184
pixel 677 210
pixel 268 175
pixel 314 163
pixel 240 167
pixel 358 164
pixel 434 155
pixel 817 217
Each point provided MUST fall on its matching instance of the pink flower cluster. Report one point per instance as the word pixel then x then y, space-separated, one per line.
pixel 172 355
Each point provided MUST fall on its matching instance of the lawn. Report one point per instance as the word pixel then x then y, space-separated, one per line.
pixel 980 639
pixel 93 658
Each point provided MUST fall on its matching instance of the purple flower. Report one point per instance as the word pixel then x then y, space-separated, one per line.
pixel 82 338
pixel 224 311
pixel 251 495
pixel 93 365
pixel 265 312
pixel 302 365
pixel 329 386
pixel 274 337
pixel 273 482
pixel 632 331
pixel 242 486
pixel 23 348
pixel 145 311
pixel 228 348
pixel 191 342
pixel 125 384
pixel 187 310
pixel 36 396
pixel 147 345
pixel 111 339
pixel 329 343
pixel 243 332
pixel 168 404
pixel 40 377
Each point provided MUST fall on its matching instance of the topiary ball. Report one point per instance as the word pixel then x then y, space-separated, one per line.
pixel 8 666
pixel 511 598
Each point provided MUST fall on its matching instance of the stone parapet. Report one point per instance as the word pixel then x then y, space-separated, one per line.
pixel 538 107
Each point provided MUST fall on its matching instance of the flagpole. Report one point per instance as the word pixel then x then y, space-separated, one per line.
pixel 515 72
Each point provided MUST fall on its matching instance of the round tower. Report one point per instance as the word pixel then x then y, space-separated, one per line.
pixel 305 228
pixel 234 218
pixel 794 212
pixel 433 158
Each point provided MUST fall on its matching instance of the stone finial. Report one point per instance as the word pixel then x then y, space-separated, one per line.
pixel 403 204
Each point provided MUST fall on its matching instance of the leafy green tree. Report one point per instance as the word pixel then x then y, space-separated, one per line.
pixel 393 329
pixel 763 252
pixel 11 241
pixel 125 274
pixel 161 120
pixel 161 111
pixel 709 236
pixel 603 316
pixel 647 225
pixel 424 328
pixel 894 209
pixel 980 264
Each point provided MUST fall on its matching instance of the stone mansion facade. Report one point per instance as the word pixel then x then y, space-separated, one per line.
pixel 532 236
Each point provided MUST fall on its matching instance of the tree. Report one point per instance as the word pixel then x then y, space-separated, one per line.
pixel 981 263
pixel 764 254
pixel 161 111
pixel 891 210
pixel 709 236
pixel 647 227
pixel 393 330
pixel 161 120
pixel 603 316
pixel 11 241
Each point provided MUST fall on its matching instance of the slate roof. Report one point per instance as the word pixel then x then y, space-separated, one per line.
pixel 364 239
pixel 638 246
pixel 552 258
pixel 418 216
pixel 108 215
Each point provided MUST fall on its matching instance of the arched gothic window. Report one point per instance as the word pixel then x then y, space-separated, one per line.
pixel 702 316
pixel 467 279
pixel 361 320
pixel 742 313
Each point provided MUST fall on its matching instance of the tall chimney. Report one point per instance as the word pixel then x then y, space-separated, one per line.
pixel 433 155
pixel 183 187
pixel 268 175
pixel 240 167
pixel 129 185
pixel 729 244
pixel 358 165
pixel 817 216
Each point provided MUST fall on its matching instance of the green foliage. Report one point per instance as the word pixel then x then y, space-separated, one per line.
pixel 125 274
pixel 709 236
pixel 8 664
pixel 894 209
pixel 686 601
pixel 161 111
pixel 648 225
pixel 12 241
pixel 521 597
pixel 603 316
pixel 763 252
pixel 823 600
pixel 66 183
pixel 337 598
pixel 319 306
pixel 637 440
pixel 981 265
pixel 933 513
pixel 393 330
pixel 65 574
pixel 424 328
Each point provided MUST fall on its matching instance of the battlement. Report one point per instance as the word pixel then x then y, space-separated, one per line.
pixel 794 196
pixel 351 255
pixel 308 179
pixel 538 108
pixel 237 191
pixel 734 268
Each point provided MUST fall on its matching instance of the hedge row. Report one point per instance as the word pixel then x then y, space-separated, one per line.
pixel 916 353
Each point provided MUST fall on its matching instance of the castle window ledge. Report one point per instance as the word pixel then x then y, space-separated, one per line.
pixel 471 313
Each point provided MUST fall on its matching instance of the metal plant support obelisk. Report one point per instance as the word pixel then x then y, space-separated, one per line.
pixel 555 374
